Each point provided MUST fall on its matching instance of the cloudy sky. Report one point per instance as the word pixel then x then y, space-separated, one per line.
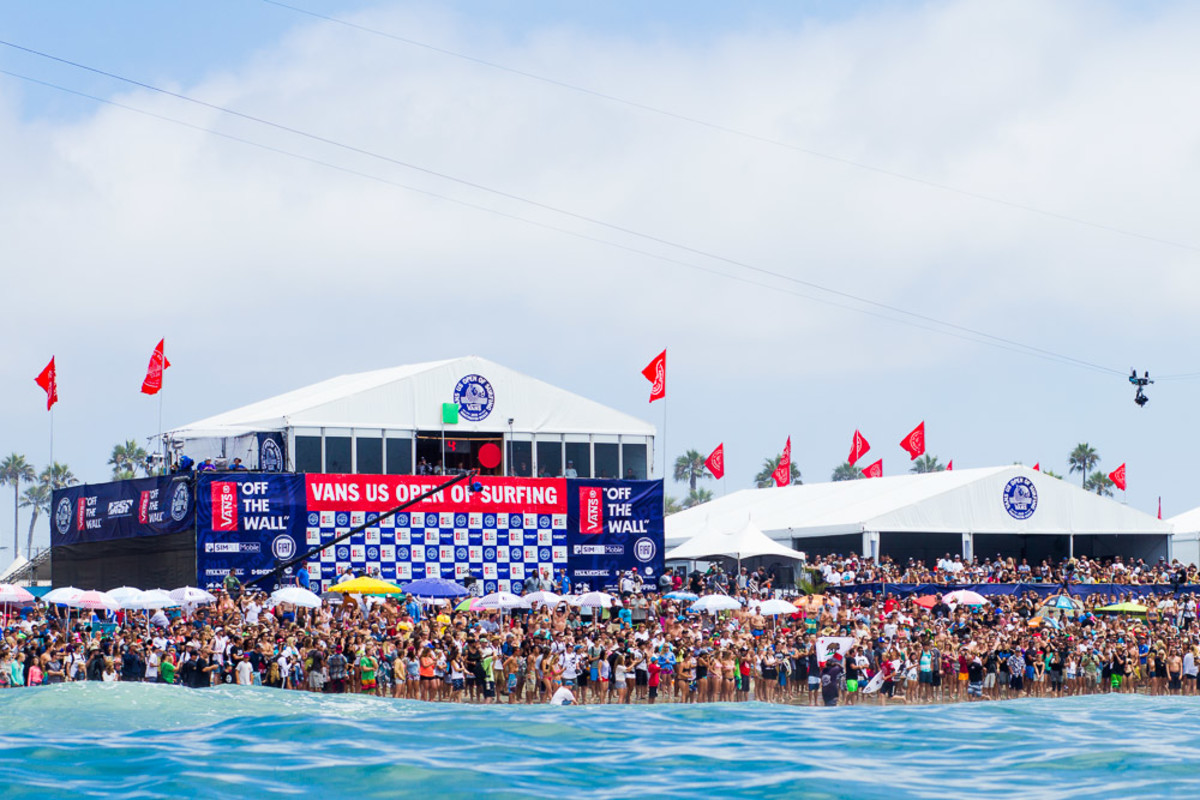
pixel 690 176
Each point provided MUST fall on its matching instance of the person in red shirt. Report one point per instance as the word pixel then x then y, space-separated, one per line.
pixel 654 669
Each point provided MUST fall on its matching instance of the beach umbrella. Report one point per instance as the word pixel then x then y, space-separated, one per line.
pixel 811 602
pixel 965 597
pixel 592 600
pixel 297 596
pixel 93 601
pixel 366 586
pixel 157 598
pixel 775 607
pixel 542 598
pixel 190 595
pixel 1050 622
pixel 681 595
pixel 61 595
pixel 1062 604
pixel 1125 608
pixel 433 587
pixel 126 597
pixel 14 595
pixel 926 601
pixel 501 601
pixel 468 604
pixel 712 603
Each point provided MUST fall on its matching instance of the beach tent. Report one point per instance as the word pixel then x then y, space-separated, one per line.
pixel 1010 510
pixel 746 541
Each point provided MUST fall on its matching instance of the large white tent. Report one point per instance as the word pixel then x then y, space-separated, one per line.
pixel 748 541
pixel 1011 510
pixel 395 405
pixel 1185 544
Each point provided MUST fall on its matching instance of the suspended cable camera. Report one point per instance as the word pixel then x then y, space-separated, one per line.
pixel 1141 383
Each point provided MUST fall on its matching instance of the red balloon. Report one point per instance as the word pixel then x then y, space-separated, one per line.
pixel 489 456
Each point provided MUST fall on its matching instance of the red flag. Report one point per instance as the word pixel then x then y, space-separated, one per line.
pixel 783 473
pixel 858 447
pixel 716 462
pixel 154 373
pixel 1160 508
pixel 875 470
pixel 1117 476
pixel 1038 466
pixel 914 443
pixel 656 373
pixel 950 466
pixel 48 380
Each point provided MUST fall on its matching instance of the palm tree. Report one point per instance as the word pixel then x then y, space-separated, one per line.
pixel 57 476
pixel 1099 483
pixel 763 479
pixel 1051 473
pixel 1082 460
pixel 846 472
pixel 926 464
pixel 670 506
pixel 127 459
pixel 690 467
pixel 37 498
pixel 697 497
pixel 14 471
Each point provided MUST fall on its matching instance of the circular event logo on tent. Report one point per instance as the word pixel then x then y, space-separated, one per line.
pixel 270 457
pixel 475 398
pixel 180 501
pixel 62 516
pixel 1020 498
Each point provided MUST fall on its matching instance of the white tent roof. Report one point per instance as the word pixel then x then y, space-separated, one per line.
pixel 1187 522
pixel 745 542
pixel 19 563
pixel 410 398
pixel 960 501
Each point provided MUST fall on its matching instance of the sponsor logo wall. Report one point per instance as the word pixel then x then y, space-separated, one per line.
pixel 106 511
pixel 509 531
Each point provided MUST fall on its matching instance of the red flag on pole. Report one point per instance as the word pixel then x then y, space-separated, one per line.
pixel 783 473
pixel 656 373
pixel 1117 476
pixel 950 466
pixel 875 470
pixel 154 373
pixel 914 443
pixel 858 447
pixel 48 380
pixel 1038 466
pixel 716 462
pixel 1160 508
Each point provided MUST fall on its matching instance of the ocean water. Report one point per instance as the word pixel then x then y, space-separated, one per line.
pixel 142 741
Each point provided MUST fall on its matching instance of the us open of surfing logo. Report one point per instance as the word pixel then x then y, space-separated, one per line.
pixel 62 516
pixel 1020 498
pixel 475 398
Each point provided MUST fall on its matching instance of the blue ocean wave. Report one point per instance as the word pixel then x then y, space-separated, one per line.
pixel 146 741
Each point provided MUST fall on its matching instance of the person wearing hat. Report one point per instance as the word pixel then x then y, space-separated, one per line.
pixel 831 680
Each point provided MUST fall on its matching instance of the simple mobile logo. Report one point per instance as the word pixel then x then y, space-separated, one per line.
pixel 591 509
pixel 224 504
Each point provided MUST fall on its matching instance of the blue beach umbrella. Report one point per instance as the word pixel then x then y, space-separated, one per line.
pixel 435 587
pixel 688 596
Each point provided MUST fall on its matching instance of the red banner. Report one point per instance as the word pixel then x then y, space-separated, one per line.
pixel 591 509
pixel 783 473
pixel 950 466
pixel 875 470
pixel 1117 476
pixel 381 492
pixel 48 380
pixel 716 462
pixel 859 447
pixel 656 373
pixel 152 383
pixel 225 506
pixel 914 443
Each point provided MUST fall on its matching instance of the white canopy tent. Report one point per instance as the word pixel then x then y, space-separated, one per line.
pixel 745 542
pixel 399 402
pixel 991 510
pixel 1185 543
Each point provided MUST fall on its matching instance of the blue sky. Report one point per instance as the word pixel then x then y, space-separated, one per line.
pixel 266 273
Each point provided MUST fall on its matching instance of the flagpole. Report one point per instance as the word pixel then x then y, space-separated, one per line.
pixel 162 445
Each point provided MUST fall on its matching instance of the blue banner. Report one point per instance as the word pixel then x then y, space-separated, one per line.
pixel 248 523
pixel 1004 589
pixel 121 509
pixel 614 527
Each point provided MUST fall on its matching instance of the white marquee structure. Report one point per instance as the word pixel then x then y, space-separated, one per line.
pixel 386 421
pixel 1185 544
pixel 1014 511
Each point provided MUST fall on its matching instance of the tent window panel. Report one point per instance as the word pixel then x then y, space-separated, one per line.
pixel 549 457
pixel 337 454
pixel 521 459
pixel 634 456
pixel 370 456
pixel 579 456
pixel 608 460
pixel 308 454
pixel 399 457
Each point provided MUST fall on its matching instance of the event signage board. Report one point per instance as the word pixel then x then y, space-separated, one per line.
pixel 121 509
pixel 502 534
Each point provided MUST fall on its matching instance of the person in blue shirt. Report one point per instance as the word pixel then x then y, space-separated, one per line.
pixel 626 616
pixel 413 608
pixel 564 583
pixel 302 577
pixel 237 465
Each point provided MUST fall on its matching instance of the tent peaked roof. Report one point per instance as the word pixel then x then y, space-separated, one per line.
pixel 410 398
pixel 745 542
pixel 1187 522
pixel 960 501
